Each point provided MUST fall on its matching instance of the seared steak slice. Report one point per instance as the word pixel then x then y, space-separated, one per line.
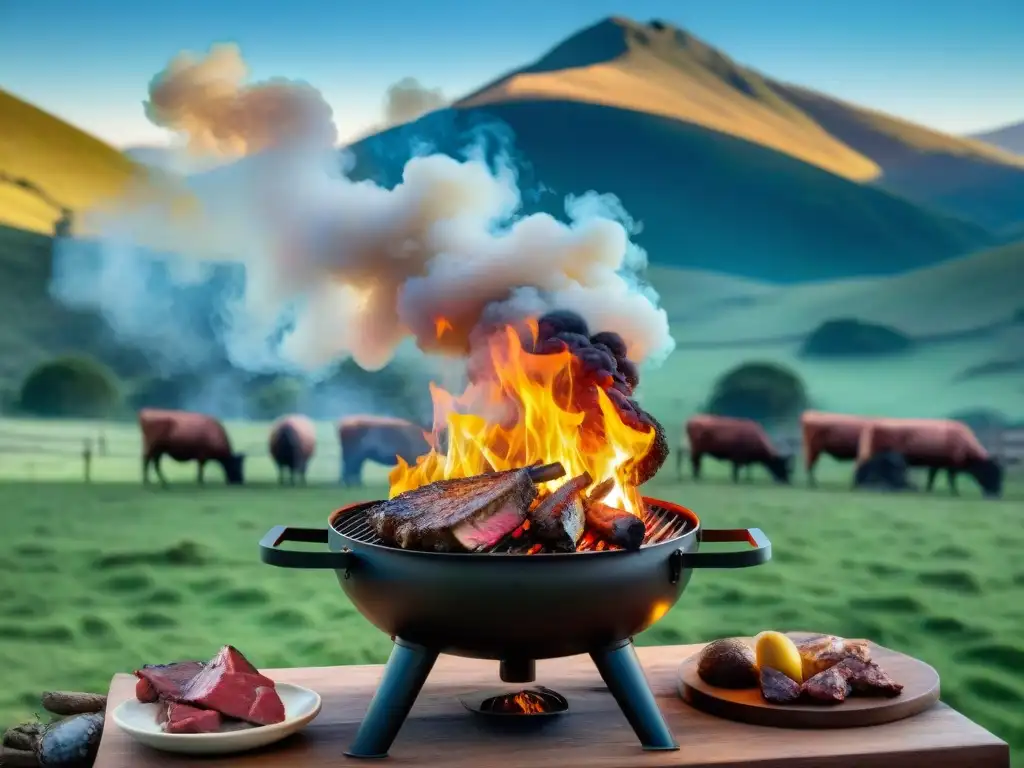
pixel 465 514
pixel 165 680
pixel 777 687
pixel 828 687
pixel 820 652
pixel 182 718
pixel 867 678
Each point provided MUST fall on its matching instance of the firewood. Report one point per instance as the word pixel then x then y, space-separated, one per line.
pixel 18 758
pixel 558 517
pixel 23 736
pixel 73 702
pixel 545 473
pixel 601 490
pixel 615 526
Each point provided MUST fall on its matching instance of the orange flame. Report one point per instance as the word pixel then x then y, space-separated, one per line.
pixel 528 703
pixel 534 414
pixel 442 326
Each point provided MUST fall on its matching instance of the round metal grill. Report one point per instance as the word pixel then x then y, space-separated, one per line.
pixel 662 525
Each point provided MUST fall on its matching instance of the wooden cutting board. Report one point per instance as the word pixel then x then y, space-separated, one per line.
pixel 920 691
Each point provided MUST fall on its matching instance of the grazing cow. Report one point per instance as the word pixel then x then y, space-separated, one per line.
pixel 885 471
pixel 836 434
pixel 187 436
pixel 292 443
pixel 740 441
pixel 935 444
pixel 379 439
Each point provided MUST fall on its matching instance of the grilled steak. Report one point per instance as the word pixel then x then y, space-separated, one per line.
pixel 777 687
pixel 828 687
pixel 182 718
pixel 820 652
pixel 867 678
pixel 465 514
pixel 558 518
pixel 156 680
pixel 235 688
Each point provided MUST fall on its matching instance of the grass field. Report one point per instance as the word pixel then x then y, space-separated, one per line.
pixel 101 578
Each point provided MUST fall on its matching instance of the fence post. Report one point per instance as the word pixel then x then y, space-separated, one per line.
pixel 87 459
pixel 101 444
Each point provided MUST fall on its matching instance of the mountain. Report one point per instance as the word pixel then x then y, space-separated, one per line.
pixel 1009 137
pixel 721 170
pixel 658 69
pixel 63 166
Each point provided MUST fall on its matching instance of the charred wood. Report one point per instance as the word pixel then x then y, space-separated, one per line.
pixel 615 526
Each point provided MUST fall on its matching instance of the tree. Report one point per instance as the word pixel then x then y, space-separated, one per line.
pixel 276 397
pixel 765 392
pixel 70 387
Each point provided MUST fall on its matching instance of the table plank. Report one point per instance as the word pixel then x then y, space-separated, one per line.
pixel 594 734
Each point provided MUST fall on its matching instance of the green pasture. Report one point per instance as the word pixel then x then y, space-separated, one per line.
pixel 103 577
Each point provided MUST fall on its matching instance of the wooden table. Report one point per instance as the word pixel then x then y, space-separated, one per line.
pixel 593 734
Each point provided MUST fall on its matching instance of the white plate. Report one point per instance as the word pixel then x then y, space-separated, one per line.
pixel 138 720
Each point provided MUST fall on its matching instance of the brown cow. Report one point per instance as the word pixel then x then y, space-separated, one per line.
pixel 292 444
pixel 935 444
pixel 740 441
pixel 187 436
pixel 837 434
pixel 379 439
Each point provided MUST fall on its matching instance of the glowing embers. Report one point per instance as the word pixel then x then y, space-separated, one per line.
pixel 532 702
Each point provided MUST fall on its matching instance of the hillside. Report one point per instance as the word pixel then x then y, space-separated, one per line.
pixel 706 200
pixel 1009 138
pixel 658 69
pixel 75 169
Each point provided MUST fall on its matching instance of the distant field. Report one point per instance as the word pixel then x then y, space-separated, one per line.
pixel 102 578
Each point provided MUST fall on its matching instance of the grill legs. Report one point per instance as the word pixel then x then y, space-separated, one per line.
pixel 404 675
pixel 621 671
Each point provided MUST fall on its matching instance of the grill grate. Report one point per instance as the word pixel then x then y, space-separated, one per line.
pixel 662 525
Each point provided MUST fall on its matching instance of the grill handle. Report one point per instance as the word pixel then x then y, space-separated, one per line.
pixel 761 551
pixel 271 554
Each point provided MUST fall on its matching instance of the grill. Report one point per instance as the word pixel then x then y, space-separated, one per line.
pixel 513 608
pixel 662 524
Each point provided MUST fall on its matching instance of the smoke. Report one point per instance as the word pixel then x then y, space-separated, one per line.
pixel 409 99
pixel 207 101
pixel 291 266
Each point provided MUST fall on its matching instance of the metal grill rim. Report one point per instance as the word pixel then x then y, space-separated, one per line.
pixel 662 525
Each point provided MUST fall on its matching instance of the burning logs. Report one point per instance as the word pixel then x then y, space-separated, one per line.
pixel 558 518
pixel 615 526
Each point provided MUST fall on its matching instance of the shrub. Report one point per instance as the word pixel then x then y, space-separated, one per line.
pixel 854 338
pixel 982 420
pixel 766 392
pixel 70 387
pixel 275 398
pixel 164 391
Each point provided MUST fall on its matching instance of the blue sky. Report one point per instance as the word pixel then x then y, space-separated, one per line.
pixel 952 64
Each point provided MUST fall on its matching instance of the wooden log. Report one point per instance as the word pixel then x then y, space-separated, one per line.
pixel 601 490
pixel 545 473
pixel 615 526
pixel 23 736
pixel 73 702
pixel 17 758
pixel 558 519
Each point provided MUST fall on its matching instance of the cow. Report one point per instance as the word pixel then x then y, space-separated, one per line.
pixel 935 444
pixel 836 434
pixel 187 436
pixel 379 439
pixel 292 444
pixel 740 441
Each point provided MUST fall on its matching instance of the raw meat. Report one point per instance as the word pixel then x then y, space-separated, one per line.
pixel 466 514
pixel 167 680
pixel 777 687
pixel 235 688
pixel 182 718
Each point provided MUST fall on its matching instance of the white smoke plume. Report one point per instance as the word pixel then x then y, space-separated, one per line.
pixel 409 99
pixel 337 268
pixel 207 100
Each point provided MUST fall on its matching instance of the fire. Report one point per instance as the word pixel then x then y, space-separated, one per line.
pixel 528 703
pixel 442 326
pixel 539 410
